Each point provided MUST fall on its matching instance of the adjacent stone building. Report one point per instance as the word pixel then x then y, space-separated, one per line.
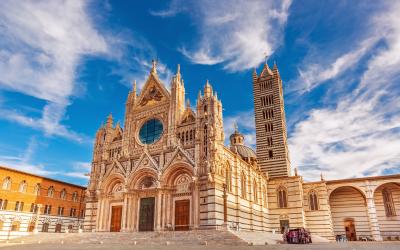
pixel 168 169
pixel 30 203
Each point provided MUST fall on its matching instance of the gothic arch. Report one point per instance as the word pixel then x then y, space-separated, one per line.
pixel 172 172
pixel 109 183
pixel 135 180
pixel 228 176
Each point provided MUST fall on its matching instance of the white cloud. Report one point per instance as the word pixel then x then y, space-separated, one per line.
pixel 23 162
pixel 235 33
pixel 313 75
pixel 173 9
pixel 361 135
pixel 42 44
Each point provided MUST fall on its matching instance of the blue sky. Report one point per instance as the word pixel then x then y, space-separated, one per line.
pixel 65 65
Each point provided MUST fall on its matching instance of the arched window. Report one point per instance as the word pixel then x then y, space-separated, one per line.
pixel 3 204
pixel 50 192
pixel 7 183
pixel 36 190
pixel 63 194
pixel 313 201
pixel 228 179
pixel 22 187
pixel 388 202
pixel 255 191
pixel 282 198
pixel 75 196
pixel 243 185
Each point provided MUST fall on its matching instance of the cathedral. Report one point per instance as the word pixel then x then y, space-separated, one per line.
pixel 168 168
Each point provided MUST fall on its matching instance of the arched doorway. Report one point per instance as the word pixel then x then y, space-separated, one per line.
pixel 387 204
pixel 349 213
pixel 45 227
pixel 58 228
pixel 350 229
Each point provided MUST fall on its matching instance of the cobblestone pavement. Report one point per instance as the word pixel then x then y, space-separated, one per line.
pixel 323 246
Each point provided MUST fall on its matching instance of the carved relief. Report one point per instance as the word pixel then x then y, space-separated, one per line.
pixel 183 183
pixel 151 97
pixel 147 183
pixel 118 188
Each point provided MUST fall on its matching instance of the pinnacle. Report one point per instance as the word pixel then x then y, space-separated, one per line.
pixel 154 66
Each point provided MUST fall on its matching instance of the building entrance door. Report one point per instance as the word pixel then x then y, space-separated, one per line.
pixel 284 225
pixel 146 214
pixel 116 214
pixel 182 213
pixel 350 229
pixel 58 228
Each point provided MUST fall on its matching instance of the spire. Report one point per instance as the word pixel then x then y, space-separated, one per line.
pixel 199 95
pixel 134 87
pixel 154 66
pixel 109 122
pixel 266 70
pixel 255 76
pixel 216 95
pixel 187 103
pixel 275 69
pixel 322 177
pixel 295 171
pixel 178 73
pixel 207 89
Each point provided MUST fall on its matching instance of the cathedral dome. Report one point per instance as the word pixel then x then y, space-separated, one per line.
pixel 245 152
pixel 237 146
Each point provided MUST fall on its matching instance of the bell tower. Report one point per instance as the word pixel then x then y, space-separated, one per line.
pixel 271 135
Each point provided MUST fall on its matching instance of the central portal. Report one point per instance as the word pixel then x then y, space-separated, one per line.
pixel 182 212
pixel 146 214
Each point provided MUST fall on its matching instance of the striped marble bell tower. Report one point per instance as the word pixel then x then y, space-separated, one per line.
pixel 269 110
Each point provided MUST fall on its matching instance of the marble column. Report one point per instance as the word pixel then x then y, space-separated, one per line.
pixel 99 214
pixel 124 213
pixel 373 218
pixel 158 209
pixel 195 205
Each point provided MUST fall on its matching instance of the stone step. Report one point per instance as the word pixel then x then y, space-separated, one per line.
pixel 201 237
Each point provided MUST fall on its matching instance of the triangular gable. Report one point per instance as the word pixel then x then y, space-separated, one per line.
pixel 179 156
pixel 188 116
pixel 153 92
pixel 266 71
pixel 146 161
pixel 118 166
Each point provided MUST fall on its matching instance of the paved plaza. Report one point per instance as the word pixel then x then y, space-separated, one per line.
pixel 324 246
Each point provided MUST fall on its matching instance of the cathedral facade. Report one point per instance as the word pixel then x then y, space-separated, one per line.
pixel 169 169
